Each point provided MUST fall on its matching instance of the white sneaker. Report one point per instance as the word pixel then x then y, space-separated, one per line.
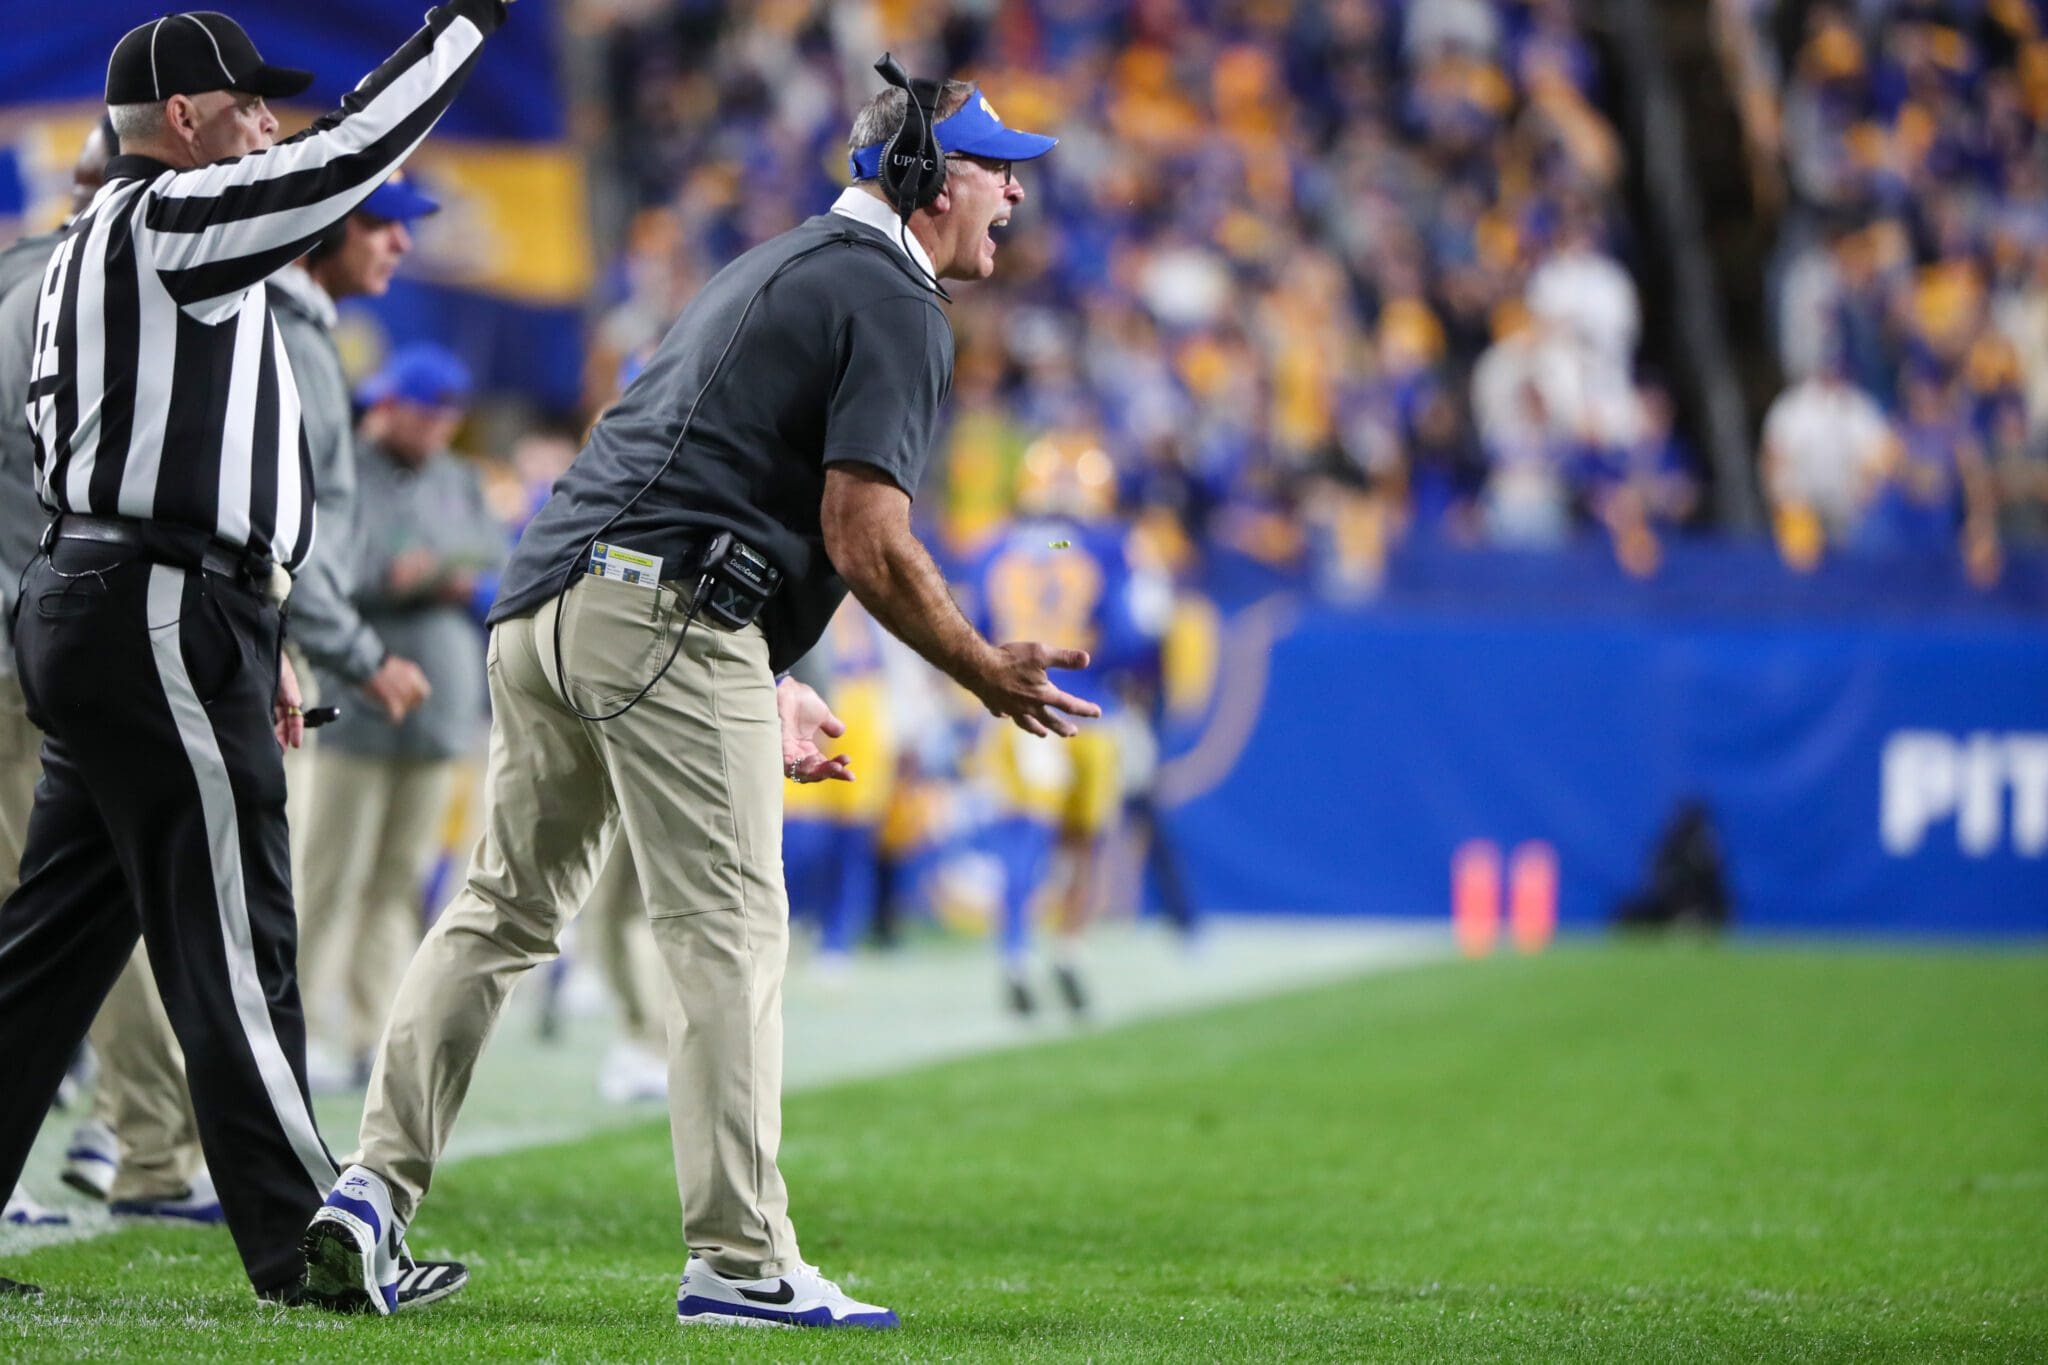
pixel 351 1247
pixel 92 1159
pixel 802 1298
pixel 632 1072
pixel 25 1212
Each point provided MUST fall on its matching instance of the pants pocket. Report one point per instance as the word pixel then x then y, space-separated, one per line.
pixel 214 650
pixel 615 639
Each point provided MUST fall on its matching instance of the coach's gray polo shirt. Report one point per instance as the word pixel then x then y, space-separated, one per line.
pixel 846 358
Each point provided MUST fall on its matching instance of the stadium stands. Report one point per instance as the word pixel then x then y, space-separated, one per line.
pixel 1913 260
pixel 1278 246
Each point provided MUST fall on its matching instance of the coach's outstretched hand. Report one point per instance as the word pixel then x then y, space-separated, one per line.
pixel 806 718
pixel 1017 687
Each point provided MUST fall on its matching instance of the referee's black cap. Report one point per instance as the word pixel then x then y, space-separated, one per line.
pixel 189 54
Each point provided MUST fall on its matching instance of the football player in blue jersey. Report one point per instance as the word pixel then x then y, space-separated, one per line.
pixel 1068 571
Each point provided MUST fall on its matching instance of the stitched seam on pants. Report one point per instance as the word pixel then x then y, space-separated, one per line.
pixel 715 657
pixel 656 916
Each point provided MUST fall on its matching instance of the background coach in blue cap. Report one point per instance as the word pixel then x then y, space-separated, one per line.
pixel 426 549
pixel 762 463
pixel 355 259
pixel 353 665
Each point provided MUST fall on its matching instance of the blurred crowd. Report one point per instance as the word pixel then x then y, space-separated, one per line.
pixel 1315 276
pixel 1911 283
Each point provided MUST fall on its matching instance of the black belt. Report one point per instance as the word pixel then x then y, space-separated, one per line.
pixel 161 544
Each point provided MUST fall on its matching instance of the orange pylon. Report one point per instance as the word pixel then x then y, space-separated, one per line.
pixel 1475 896
pixel 1532 895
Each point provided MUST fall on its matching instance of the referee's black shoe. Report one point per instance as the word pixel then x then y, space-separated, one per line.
pixel 15 1289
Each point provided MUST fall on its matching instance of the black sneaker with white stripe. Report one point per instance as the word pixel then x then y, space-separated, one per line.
pixel 423 1282
pixel 419 1283
pixel 15 1289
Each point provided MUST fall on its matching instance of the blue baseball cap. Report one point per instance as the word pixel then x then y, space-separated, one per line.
pixel 974 129
pixel 420 372
pixel 398 200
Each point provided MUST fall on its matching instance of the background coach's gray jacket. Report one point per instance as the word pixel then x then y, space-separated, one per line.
pixel 324 620
pixel 22 515
pixel 439 508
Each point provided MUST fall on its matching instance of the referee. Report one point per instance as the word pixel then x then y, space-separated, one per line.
pixel 168 444
pixel 139 1148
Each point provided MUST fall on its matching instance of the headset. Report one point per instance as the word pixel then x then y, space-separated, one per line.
pixel 913 165
pixel 913 168
pixel 912 176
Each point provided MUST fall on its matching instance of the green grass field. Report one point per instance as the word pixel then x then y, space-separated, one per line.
pixel 1669 1153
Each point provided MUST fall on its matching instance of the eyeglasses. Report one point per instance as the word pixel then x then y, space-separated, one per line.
pixel 1000 169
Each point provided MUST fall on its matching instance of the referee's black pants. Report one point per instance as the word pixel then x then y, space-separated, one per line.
pixel 161 812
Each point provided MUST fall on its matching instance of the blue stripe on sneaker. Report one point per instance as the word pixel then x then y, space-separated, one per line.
pixel 390 1293
pixel 362 1209
pixel 697 1305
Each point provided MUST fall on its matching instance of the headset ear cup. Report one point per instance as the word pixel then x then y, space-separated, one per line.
pixel 931 179
pixel 890 173
pixel 913 169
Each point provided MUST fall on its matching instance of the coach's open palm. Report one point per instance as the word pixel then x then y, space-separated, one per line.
pixel 1017 687
pixel 805 719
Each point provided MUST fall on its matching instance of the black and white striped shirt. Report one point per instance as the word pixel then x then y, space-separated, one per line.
pixel 161 390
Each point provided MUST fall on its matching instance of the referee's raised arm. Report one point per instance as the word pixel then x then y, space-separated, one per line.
pixel 157 292
pixel 219 228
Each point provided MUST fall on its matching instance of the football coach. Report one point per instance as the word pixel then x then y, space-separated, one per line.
pixel 168 444
pixel 761 464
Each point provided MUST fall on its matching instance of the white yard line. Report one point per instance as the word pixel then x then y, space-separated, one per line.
pixel 880 1015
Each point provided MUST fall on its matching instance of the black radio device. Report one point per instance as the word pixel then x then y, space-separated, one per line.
pixel 735 582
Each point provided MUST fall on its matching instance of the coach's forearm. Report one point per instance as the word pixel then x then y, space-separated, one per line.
pixel 895 579
pixel 868 536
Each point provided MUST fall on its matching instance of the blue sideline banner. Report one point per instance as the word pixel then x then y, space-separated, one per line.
pixel 501 274
pixel 1871 769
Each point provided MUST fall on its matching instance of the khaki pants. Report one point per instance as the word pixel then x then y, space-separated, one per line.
pixel 141 1093
pixel 692 779
pixel 374 825
pixel 616 927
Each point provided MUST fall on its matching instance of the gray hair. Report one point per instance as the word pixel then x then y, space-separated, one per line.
pixel 136 123
pixel 881 116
